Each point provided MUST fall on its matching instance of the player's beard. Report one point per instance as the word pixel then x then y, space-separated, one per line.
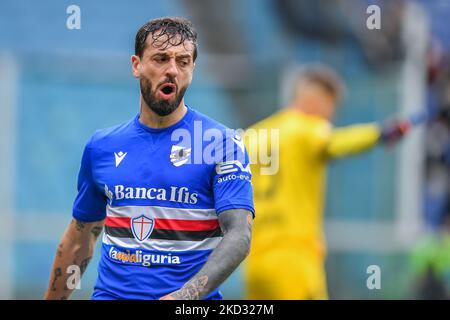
pixel 159 106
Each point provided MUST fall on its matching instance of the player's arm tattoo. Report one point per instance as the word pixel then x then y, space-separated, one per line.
pixel 96 231
pixel 226 257
pixel 75 248
pixel 79 225
pixel 83 264
pixel 56 274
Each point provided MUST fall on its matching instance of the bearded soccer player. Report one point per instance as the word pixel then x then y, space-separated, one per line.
pixel 174 228
pixel 287 259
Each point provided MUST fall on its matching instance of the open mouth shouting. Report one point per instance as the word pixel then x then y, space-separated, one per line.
pixel 167 91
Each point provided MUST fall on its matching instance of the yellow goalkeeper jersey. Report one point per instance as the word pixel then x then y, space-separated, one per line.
pixel 289 204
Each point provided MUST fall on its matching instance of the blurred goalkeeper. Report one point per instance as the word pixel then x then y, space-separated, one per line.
pixel 287 257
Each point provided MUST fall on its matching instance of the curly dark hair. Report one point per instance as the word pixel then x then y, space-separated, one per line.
pixel 166 32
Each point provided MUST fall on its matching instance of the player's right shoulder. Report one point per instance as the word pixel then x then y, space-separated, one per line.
pixel 105 136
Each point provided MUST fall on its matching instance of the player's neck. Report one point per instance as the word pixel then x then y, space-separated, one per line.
pixel 307 111
pixel 155 121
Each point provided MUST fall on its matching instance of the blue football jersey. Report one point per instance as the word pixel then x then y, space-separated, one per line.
pixel 160 192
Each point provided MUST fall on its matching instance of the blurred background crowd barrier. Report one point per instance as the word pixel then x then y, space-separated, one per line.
pixel 388 207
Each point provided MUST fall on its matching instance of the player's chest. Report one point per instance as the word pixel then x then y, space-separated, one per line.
pixel 138 166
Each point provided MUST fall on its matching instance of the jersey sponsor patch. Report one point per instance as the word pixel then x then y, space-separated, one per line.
pixel 141 257
pixel 231 177
pixel 232 166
